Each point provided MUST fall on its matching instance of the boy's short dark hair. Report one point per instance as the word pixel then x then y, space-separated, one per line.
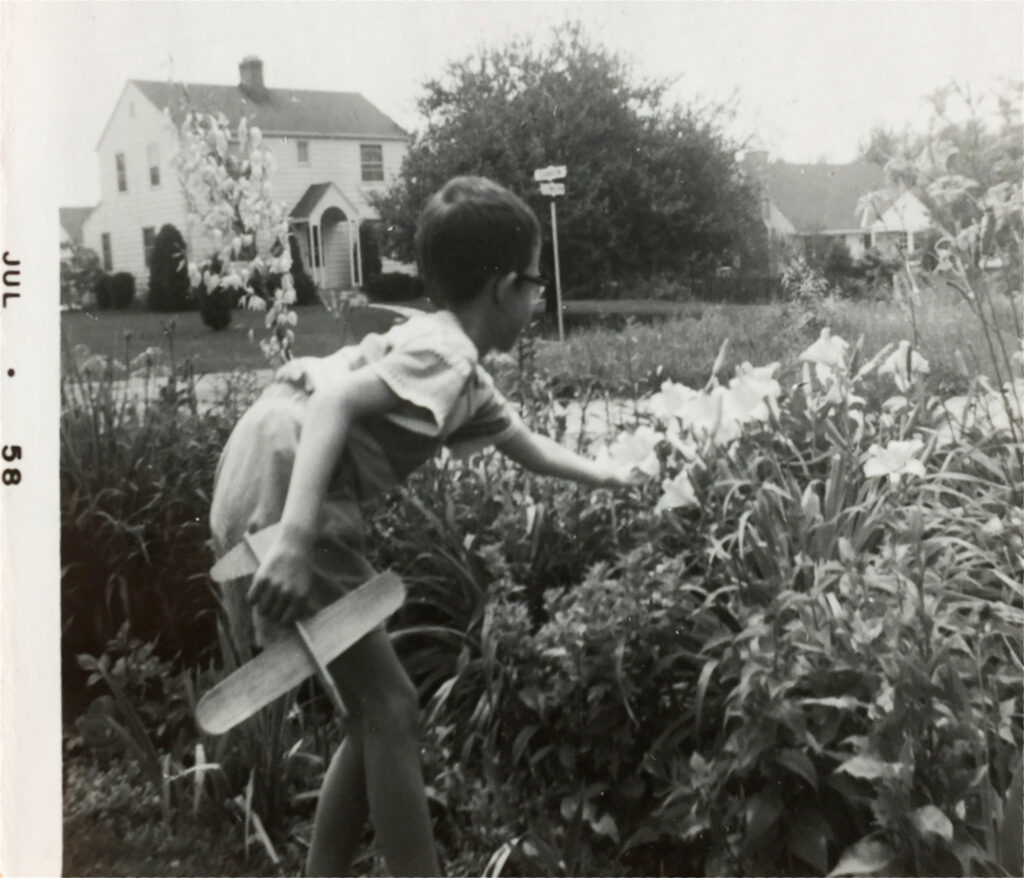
pixel 469 231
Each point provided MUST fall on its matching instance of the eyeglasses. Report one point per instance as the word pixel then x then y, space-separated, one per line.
pixel 538 281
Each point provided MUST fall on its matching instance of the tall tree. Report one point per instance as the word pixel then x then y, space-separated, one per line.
pixel 651 186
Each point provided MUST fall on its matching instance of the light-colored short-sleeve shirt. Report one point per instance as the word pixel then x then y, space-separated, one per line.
pixel 447 399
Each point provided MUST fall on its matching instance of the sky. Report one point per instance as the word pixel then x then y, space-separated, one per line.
pixel 809 79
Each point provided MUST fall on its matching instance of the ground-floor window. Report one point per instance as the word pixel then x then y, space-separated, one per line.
pixel 315 259
pixel 108 259
pixel 148 237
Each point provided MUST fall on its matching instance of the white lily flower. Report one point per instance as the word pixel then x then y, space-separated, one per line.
pixel 255 303
pixel 754 392
pixel 828 354
pixel 904 364
pixel 637 450
pixel 897 459
pixel 678 492
pixel 712 416
pixel 671 400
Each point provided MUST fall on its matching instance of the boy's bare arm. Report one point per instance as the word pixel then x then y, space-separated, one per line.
pixel 546 457
pixel 283 580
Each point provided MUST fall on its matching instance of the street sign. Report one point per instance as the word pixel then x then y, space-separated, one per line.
pixel 552 189
pixel 552 172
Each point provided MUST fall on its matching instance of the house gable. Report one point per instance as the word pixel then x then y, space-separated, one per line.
pixel 906 214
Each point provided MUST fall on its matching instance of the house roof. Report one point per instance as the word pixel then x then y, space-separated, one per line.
pixel 821 197
pixel 304 206
pixel 72 219
pixel 281 110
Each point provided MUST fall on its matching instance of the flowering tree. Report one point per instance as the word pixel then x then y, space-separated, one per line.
pixel 226 178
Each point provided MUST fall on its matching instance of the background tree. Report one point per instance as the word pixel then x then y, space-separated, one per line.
pixel 78 274
pixel 967 168
pixel 168 272
pixel 882 144
pixel 651 187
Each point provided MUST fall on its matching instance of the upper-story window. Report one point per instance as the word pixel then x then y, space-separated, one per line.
pixel 108 257
pixel 122 177
pixel 302 147
pixel 371 157
pixel 153 160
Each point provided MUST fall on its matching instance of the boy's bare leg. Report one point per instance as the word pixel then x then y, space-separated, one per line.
pixel 383 703
pixel 341 811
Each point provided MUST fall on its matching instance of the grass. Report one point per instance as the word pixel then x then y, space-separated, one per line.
pixel 682 348
pixel 318 333
pixel 599 348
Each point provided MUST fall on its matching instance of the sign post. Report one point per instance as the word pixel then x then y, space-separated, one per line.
pixel 546 177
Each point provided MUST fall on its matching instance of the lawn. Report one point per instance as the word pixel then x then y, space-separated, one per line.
pixel 665 340
pixel 185 335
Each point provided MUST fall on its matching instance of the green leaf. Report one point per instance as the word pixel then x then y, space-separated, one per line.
pixel 869 767
pixel 869 856
pixel 763 812
pixel 807 837
pixel 522 739
pixel 799 763
pixel 930 820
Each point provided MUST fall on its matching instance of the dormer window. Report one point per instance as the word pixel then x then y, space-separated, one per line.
pixel 302 147
pixel 122 177
pixel 371 157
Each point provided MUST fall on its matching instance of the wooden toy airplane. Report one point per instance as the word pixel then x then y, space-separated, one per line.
pixel 305 651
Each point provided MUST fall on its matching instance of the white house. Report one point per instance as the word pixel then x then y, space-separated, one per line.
pixel 897 224
pixel 331 149
pixel 810 203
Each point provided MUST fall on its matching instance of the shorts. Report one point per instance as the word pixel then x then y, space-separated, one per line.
pixel 249 494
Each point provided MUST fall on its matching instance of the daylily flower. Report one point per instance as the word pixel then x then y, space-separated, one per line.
pixel 712 416
pixel 828 354
pixel 904 364
pixel 636 450
pixel 678 493
pixel 672 399
pixel 754 392
pixel 897 459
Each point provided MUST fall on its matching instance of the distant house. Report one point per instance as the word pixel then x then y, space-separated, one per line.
pixel 807 204
pixel 71 221
pixel 331 149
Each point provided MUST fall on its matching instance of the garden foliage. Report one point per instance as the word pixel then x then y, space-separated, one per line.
pixel 225 172
pixel 168 272
pixel 114 291
pixel 79 272
pixel 795 650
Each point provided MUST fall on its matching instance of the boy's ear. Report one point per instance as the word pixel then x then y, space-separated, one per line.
pixel 504 286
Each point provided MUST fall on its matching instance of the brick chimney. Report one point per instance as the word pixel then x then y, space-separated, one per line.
pixel 250 76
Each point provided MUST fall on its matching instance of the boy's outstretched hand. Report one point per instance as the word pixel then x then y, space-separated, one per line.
pixel 619 475
pixel 282 583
